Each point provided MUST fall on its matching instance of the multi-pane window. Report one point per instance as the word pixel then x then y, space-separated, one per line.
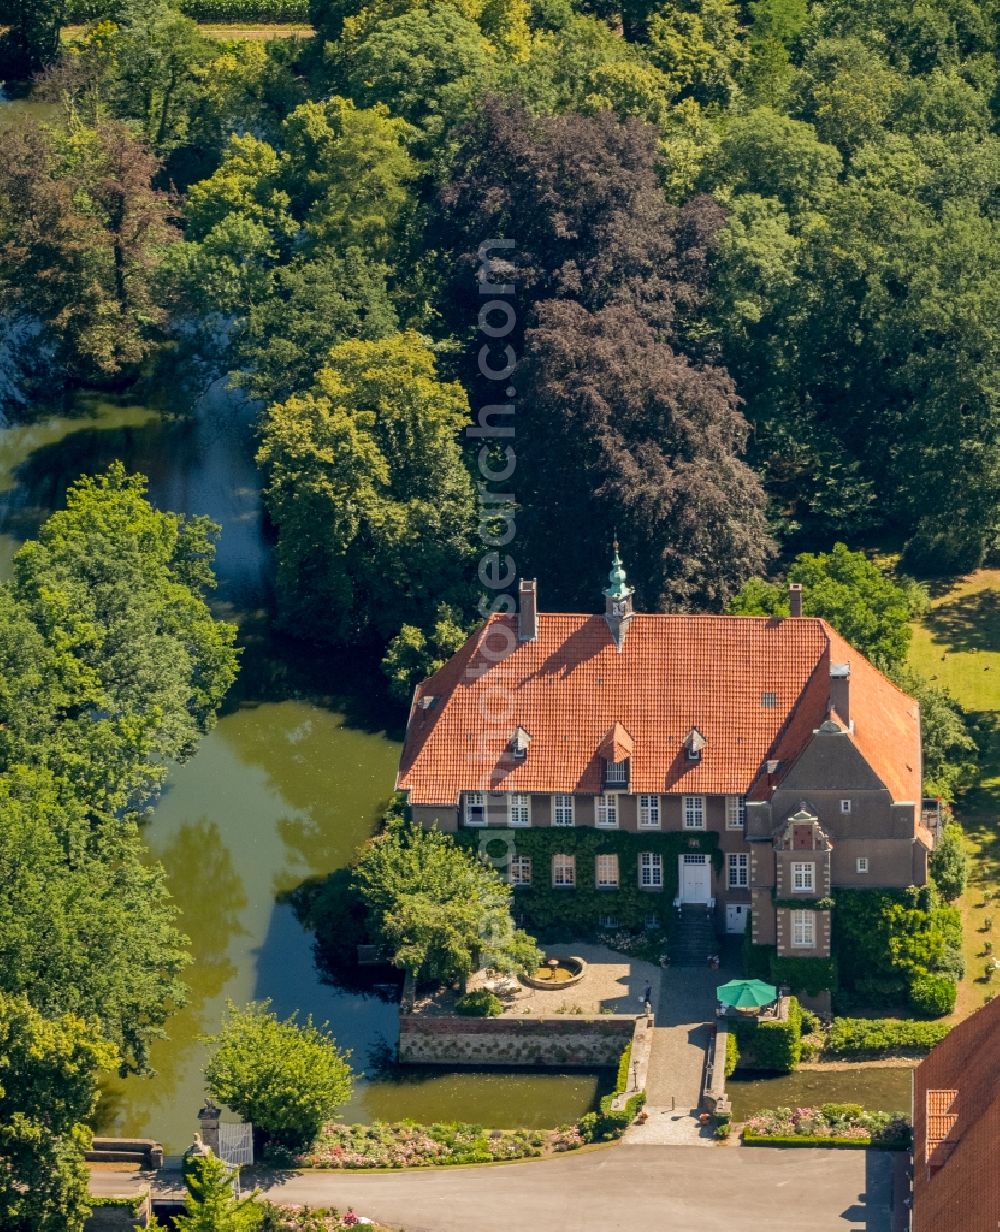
pixel 804 929
pixel 563 870
pixel 736 812
pixel 649 812
pixel 607 810
pixel 862 864
pixel 518 810
pixel 694 812
pixel 803 876
pixel 519 871
pixel 562 810
pixel 475 808
pixel 607 921
pixel 651 870
pixel 606 872
pixel 739 870
pixel 845 806
pixel 617 771
pixel 768 700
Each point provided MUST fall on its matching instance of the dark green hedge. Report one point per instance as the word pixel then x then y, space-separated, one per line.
pixel 808 975
pixel 766 1044
pixel 80 11
pixel 855 1037
pixel 750 1138
pixel 545 910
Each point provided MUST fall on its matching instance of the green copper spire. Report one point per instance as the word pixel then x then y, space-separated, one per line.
pixel 618 589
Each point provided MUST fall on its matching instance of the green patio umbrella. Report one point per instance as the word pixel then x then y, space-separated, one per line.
pixel 746 994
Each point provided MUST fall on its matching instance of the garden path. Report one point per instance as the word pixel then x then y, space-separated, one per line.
pixel 681 1035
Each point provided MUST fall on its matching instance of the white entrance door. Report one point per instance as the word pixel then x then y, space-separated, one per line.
pixel 695 879
pixel 736 917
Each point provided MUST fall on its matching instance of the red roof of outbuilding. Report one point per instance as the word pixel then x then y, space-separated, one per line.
pixel 573 690
pixel 956 1128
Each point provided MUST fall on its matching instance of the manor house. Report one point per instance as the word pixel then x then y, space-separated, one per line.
pixel 755 763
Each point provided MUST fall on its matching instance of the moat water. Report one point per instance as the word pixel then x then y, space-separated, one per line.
pixel 289 783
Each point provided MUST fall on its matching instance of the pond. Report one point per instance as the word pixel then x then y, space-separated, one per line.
pixel 288 784
pixel 875 1088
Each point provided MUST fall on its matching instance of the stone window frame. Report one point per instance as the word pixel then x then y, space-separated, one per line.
pixel 650 870
pixel 606 811
pixel 519 870
pixel 518 802
pixel 807 870
pixel 845 806
pixel 693 815
pixel 607 874
pixel 738 863
pixel 559 805
pixel 649 811
pixel 564 870
pixel 470 802
pixel 736 812
pixel 804 922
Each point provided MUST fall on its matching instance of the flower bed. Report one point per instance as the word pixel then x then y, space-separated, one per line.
pixel 407 1145
pixel 830 1125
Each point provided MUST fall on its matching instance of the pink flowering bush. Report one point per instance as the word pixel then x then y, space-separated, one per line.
pixel 843 1122
pixel 407 1145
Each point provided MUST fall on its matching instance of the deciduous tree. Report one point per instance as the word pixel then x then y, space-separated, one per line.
pixel 287 1077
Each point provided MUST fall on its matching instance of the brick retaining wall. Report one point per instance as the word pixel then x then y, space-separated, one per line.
pixel 562 1042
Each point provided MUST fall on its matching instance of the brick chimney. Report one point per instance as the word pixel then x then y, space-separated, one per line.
pixel 527 610
pixel 795 598
pixel 840 691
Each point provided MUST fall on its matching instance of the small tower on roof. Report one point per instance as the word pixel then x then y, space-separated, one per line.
pixel 618 600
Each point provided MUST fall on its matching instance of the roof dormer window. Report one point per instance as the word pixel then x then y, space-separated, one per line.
pixel 694 743
pixel 617 772
pixel 519 743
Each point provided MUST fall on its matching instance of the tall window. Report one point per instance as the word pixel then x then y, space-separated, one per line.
pixel 862 864
pixel 694 812
pixel 651 870
pixel 803 876
pixel 518 810
pixel 519 871
pixel 606 872
pixel 739 870
pixel 563 870
pixel 649 812
pixel 804 929
pixel 845 806
pixel 562 810
pixel 736 812
pixel 607 810
pixel 617 772
pixel 475 808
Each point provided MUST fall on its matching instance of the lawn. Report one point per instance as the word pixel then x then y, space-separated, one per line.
pixel 957 645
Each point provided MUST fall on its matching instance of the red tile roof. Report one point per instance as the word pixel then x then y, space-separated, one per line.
pixel 956 1129
pixel 575 693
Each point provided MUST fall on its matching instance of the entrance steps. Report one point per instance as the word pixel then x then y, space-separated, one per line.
pixel 693 939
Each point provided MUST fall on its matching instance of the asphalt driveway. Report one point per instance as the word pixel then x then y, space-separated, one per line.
pixel 726 1189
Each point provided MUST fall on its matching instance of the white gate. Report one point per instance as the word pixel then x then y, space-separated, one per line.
pixel 236 1143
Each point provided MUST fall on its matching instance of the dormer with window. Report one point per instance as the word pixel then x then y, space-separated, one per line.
pixel 519 742
pixel 694 745
pixel 616 752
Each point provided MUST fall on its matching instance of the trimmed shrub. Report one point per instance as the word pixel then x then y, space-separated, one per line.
pixel 933 995
pixel 479 1004
pixel 766 1044
pixel 732 1053
pixel 856 1037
